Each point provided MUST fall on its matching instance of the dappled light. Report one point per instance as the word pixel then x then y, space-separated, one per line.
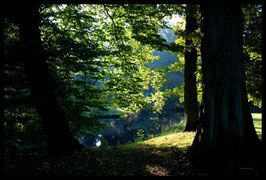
pixel 132 90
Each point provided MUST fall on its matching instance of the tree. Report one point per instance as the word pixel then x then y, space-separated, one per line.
pixel 41 85
pixel 74 61
pixel 135 28
pixel 81 45
pixel 1 95
pixel 190 89
pixel 226 132
pixel 252 36
pixel 263 80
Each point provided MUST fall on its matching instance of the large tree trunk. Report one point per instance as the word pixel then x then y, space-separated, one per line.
pixel 263 79
pixel 190 88
pixel 226 132
pixel 60 138
pixel 2 95
pixel 263 123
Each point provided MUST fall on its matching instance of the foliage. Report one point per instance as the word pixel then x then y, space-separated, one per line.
pixel 98 59
pixel 252 53
pixel 74 65
pixel 252 17
pixel 179 28
pixel 140 135
pixel 20 113
pixel 110 33
pixel 99 56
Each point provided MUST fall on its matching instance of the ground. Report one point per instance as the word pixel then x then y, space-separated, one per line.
pixel 165 155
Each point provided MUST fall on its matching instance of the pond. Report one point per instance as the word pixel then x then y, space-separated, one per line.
pixel 91 141
pixel 125 130
pixel 108 139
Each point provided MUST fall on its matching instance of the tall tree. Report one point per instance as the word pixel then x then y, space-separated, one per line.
pixel 42 88
pixel 1 94
pixel 263 78
pixel 190 89
pixel 226 132
pixel 252 51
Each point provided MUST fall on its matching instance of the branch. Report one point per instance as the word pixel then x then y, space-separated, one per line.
pixel 107 12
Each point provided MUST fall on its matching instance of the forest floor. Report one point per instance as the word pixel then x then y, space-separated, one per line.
pixel 166 155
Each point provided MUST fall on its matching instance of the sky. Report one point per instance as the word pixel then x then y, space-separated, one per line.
pixel 175 18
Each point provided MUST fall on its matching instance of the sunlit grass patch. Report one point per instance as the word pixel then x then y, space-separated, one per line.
pixel 174 137
pixel 256 116
pixel 179 140
pixel 257 123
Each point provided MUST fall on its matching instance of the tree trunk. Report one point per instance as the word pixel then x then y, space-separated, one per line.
pixel 263 123
pixel 263 78
pixel 2 96
pixel 226 132
pixel 60 138
pixel 190 88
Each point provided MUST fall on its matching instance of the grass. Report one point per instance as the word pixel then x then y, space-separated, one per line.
pixel 174 136
pixel 161 156
pixel 177 139
pixel 257 123
pixel 164 155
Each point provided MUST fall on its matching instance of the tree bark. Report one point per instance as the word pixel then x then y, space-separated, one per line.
pixel 190 88
pixel 2 95
pixel 60 138
pixel 226 132
pixel 263 79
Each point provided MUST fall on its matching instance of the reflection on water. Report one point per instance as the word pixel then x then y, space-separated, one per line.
pixel 91 141
pixel 97 141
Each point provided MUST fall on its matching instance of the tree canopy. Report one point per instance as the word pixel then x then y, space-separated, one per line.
pixel 86 63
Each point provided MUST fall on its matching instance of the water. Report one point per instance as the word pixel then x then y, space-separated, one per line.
pixel 111 140
pixel 91 141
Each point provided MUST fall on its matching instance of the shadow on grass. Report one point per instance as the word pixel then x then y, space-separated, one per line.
pixel 129 160
pixel 143 160
pixel 138 160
